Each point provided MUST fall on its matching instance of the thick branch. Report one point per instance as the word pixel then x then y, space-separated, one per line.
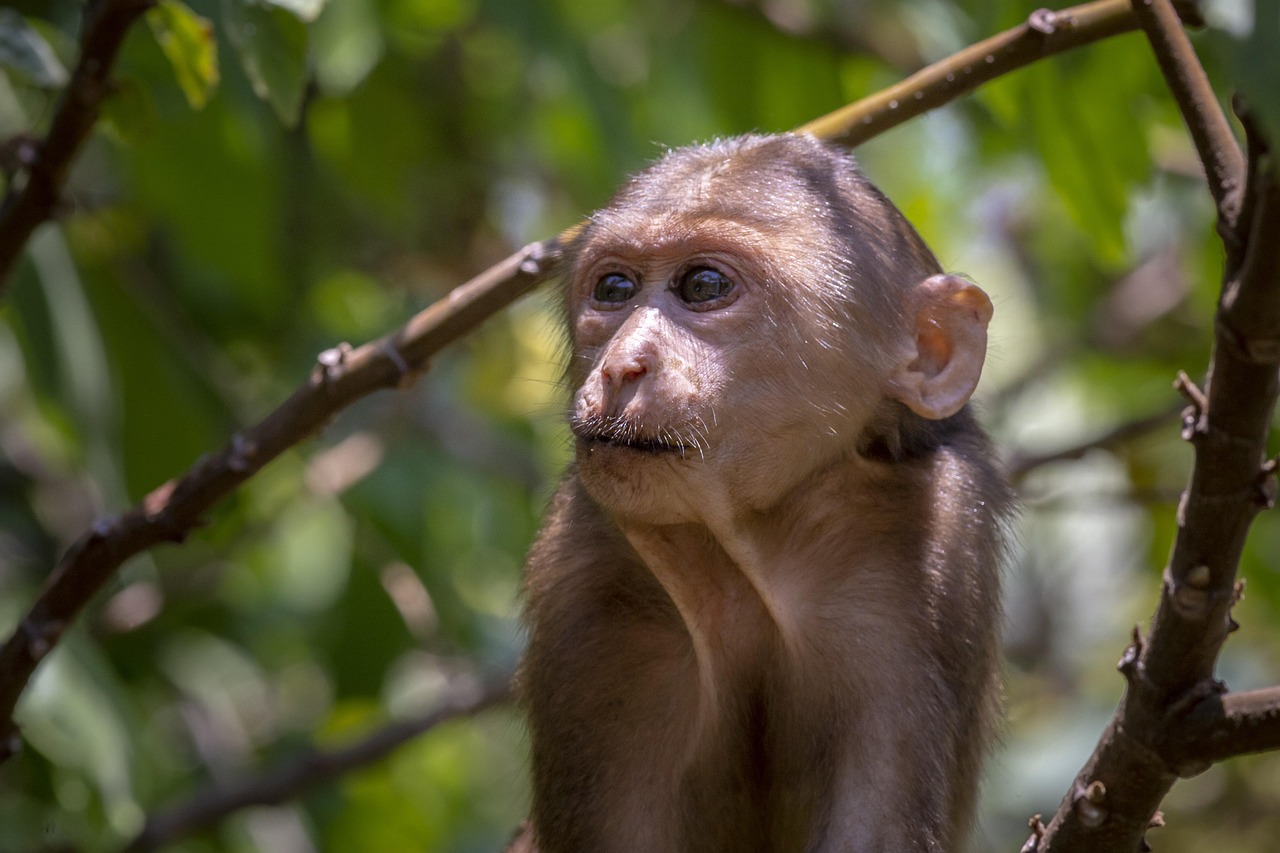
pixel 1138 758
pixel 24 209
pixel 1219 152
pixel 170 512
pixel 467 697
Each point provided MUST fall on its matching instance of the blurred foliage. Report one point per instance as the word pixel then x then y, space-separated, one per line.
pixel 274 176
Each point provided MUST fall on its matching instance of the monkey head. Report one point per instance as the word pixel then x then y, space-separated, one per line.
pixel 740 315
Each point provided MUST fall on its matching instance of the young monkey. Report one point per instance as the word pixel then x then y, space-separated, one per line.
pixel 764 605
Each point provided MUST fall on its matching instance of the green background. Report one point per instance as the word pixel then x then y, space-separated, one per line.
pixel 272 178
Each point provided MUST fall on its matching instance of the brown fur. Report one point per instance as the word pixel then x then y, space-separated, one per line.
pixel 764 604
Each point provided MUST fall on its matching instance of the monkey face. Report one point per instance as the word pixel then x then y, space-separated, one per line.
pixel 701 370
pixel 739 315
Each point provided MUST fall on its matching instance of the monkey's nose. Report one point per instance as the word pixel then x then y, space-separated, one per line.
pixel 622 369
pixel 621 373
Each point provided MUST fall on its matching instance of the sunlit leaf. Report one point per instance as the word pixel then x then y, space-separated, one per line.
pixel 188 43
pixel 271 42
pixel 24 50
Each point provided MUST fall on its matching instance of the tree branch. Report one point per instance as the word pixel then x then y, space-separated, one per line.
pixel 23 210
pixel 1044 34
pixel 1137 760
pixel 1020 465
pixel 342 376
pixel 1223 161
pixel 345 375
pixel 1229 725
pixel 466 697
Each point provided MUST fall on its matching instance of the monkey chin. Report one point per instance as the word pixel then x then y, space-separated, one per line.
pixel 645 479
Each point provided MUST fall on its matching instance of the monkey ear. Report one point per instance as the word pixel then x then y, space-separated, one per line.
pixel 942 364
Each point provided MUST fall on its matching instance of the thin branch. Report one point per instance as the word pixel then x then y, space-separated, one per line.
pixel 1223 161
pixel 466 698
pixel 1096 501
pixel 1117 793
pixel 1229 725
pixel 169 513
pixel 23 210
pixel 1044 34
pixel 345 375
pixel 1020 465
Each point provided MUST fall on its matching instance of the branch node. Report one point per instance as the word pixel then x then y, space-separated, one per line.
pixel 1043 21
pixel 1192 598
pixel 535 255
pixel 156 503
pixel 1203 689
pixel 1129 661
pixel 1267 486
pixel 1193 416
pixel 331 360
pixel 1037 835
pixel 1089 804
pixel 1156 822
pixel 1178 710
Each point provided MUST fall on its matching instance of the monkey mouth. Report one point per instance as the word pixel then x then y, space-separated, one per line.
pixel 658 445
pixel 652 446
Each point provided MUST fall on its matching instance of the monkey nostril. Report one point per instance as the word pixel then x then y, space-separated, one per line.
pixel 632 374
pixel 622 373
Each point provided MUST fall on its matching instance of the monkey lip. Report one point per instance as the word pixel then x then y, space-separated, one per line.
pixel 653 446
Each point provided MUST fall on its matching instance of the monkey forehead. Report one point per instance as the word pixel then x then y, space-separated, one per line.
pixel 777 177
pixel 677 234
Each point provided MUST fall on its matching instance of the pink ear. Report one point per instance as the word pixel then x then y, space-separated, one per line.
pixel 945 357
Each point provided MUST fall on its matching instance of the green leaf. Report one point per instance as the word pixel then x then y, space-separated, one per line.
pixel 189 44
pixel 271 42
pixel 25 51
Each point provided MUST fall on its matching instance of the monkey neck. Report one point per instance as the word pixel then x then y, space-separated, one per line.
pixel 745 581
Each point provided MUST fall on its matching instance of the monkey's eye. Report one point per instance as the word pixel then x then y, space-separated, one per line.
pixel 703 284
pixel 614 289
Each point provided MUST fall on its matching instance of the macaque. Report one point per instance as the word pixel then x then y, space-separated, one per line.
pixel 764 606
